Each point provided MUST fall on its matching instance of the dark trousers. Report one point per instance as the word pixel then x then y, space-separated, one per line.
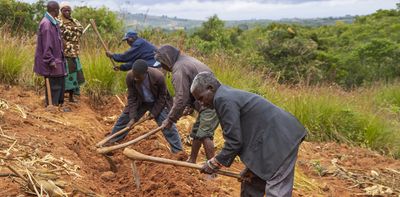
pixel 57 87
pixel 171 135
pixel 279 185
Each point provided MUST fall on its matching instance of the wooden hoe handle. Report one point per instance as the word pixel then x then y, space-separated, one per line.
pixel 93 23
pixel 104 150
pixel 134 155
pixel 126 129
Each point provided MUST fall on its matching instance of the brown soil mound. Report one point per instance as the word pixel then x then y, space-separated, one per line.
pixel 63 143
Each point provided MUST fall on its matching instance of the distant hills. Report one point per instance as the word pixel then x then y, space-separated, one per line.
pixel 141 21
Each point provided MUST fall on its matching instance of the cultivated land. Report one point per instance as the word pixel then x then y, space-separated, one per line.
pixel 59 147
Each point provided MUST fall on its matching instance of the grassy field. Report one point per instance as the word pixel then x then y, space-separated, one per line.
pixel 366 116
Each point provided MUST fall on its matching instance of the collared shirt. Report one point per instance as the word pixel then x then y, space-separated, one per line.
pixel 51 18
pixel 148 96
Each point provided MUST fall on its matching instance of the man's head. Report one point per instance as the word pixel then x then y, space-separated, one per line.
pixel 53 8
pixel 130 37
pixel 204 87
pixel 66 9
pixel 166 56
pixel 139 70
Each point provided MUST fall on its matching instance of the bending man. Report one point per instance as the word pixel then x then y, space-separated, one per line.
pixel 140 49
pixel 184 68
pixel 264 136
pixel 147 91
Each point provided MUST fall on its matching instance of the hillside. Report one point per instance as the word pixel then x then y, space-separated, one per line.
pixel 59 147
pixel 141 21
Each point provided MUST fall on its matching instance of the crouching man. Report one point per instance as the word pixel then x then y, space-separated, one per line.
pixel 264 136
pixel 147 91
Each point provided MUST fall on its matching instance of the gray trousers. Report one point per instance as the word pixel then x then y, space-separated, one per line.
pixel 279 185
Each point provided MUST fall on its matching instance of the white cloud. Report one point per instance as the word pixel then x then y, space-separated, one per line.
pixel 233 10
pixel 246 9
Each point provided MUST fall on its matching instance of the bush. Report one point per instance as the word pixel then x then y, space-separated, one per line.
pixel 21 17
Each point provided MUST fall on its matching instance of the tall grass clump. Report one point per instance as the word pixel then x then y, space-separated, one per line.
pixel 15 57
pixel 329 117
pixel 389 97
pixel 101 79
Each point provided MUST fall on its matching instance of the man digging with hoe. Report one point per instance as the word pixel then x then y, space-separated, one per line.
pixel 264 136
pixel 147 91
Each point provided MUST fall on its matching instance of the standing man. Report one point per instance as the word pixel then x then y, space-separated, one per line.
pixel 184 68
pixel 147 91
pixel 264 136
pixel 140 49
pixel 71 31
pixel 49 58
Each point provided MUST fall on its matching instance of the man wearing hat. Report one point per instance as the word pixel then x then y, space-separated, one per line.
pixel 147 91
pixel 140 49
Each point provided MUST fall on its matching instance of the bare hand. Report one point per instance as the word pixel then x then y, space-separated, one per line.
pixel 209 167
pixel 166 124
pixel 116 68
pixel 188 110
pixel 246 175
pixel 53 65
pixel 109 54
pixel 130 123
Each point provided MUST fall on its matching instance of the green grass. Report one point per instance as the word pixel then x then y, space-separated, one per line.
pixel 389 97
pixel 330 117
pixel 358 117
pixel 15 56
pixel 101 79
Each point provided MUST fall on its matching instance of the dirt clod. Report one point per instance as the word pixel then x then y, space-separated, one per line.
pixel 107 176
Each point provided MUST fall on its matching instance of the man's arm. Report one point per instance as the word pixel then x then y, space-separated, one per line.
pixel 182 95
pixel 126 66
pixel 47 37
pixel 132 97
pixel 131 55
pixel 229 116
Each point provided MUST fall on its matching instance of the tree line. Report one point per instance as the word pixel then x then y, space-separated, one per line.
pixel 350 55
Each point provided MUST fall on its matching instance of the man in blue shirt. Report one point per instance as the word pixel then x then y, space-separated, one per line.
pixel 140 49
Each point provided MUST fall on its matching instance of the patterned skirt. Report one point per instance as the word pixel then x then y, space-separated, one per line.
pixel 75 76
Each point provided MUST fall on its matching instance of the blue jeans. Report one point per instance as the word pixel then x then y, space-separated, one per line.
pixel 171 135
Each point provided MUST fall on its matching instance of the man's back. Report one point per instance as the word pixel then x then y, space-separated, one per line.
pixel 266 133
pixel 140 49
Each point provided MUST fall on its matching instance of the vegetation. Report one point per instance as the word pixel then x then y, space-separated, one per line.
pixel 339 80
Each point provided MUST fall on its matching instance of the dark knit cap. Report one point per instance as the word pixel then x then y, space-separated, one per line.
pixel 140 66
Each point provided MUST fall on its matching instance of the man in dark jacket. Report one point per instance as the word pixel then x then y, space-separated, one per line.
pixel 147 91
pixel 264 136
pixel 184 68
pixel 140 49
pixel 49 57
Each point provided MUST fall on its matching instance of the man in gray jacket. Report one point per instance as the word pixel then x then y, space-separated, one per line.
pixel 264 136
pixel 184 68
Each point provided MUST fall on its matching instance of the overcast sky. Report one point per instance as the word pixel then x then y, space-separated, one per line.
pixel 244 9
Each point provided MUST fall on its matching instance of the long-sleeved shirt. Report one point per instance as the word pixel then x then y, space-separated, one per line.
pixel 140 49
pixel 136 96
pixel 184 68
pixel 259 132
pixel 49 49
